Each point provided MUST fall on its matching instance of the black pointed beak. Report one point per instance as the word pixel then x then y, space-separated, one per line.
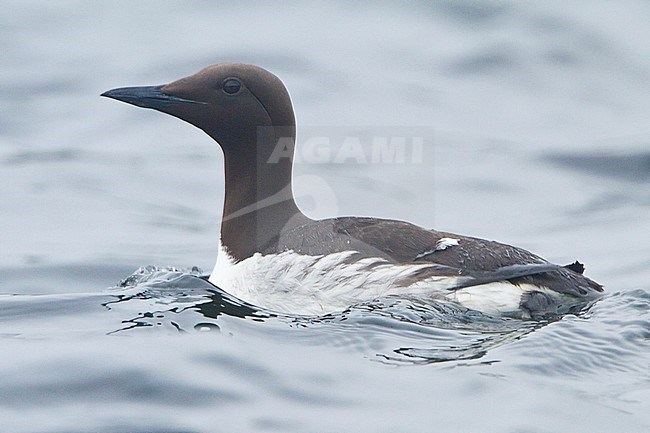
pixel 148 97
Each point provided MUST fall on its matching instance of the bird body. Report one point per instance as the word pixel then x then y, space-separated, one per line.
pixel 274 256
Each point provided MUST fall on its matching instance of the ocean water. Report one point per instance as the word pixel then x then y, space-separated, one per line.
pixel 534 124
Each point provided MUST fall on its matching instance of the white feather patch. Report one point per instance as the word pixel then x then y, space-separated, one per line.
pixel 294 283
pixel 301 284
pixel 442 244
pixel 445 243
pixel 499 298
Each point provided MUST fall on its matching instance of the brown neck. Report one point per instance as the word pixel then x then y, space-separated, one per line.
pixel 259 203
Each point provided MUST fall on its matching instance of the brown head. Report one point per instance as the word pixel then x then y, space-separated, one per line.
pixel 227 101
pixel 247 110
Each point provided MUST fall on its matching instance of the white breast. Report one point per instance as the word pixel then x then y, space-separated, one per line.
pixel 294 283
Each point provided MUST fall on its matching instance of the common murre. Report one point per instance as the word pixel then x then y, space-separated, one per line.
pixel 274 256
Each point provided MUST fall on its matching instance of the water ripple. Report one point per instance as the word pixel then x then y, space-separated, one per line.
pixel 611 334
pixel 612 337
pixel 390 329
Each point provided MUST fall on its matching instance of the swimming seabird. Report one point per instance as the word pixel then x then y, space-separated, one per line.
pixel 274 256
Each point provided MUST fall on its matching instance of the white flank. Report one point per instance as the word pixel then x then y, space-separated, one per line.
pixel 300 284
pixel 497 298
pixel 294 283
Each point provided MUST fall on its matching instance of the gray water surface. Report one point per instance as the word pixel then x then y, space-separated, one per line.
pixel 535 125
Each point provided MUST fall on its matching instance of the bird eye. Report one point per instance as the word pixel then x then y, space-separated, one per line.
pixel 231 86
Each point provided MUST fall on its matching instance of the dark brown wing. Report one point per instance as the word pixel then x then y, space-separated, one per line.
pixel 401 242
